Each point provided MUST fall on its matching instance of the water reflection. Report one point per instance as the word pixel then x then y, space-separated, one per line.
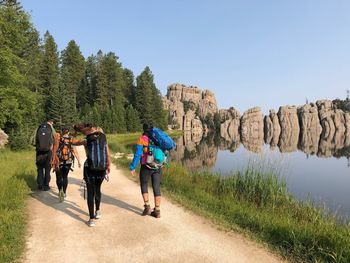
pixel 314 169
pixel 195 150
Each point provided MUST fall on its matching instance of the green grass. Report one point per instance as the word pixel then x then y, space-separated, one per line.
pixel 17 178
pixel 258 204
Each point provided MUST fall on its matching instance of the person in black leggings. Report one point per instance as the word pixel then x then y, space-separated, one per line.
pixel 93 178
pixel 141 151
pixel 93 181
pixel 62 167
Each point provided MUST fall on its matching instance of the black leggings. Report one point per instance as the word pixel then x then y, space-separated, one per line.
pixel 93 181
pixel 145 175
pixel 62 177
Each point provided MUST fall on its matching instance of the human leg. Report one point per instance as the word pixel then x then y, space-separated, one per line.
pixel 47 176
pixel 65 172
pixel 59 179
pixel 97 185
pixel 40 164
pixel 144 178
pixel 156 179
pixel 90 197
pixel 40 177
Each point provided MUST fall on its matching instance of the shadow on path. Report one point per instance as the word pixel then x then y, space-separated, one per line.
pixel 50 198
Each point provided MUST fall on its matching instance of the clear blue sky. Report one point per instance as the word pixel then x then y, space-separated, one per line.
pixel 250 53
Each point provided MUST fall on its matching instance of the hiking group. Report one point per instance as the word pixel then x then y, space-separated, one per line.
pixel 57 151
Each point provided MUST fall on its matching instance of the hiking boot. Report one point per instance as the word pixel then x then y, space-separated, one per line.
pixel 91 223
pixel 155 213
pixel 61 196
pixel 98 214
pixel 147 210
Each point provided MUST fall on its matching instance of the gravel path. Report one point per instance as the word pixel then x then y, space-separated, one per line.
pixel 58 231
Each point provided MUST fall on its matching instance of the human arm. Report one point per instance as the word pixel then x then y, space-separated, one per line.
pixel 78 142
pixel 76 154
pixel 109 162
pixel 54 160
pixel 141 143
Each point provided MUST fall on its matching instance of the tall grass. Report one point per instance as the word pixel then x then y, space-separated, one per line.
pixel 17 177
pixel 260 205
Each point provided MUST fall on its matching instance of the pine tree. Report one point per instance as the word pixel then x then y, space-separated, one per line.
pixel 72 77
pixel 101 93
pixel 118 118
pixel 129 86
pixel 49 76
pixel 90 81
pixel 19 111
pixel 143 96
pixel 148 100
pixel 132 119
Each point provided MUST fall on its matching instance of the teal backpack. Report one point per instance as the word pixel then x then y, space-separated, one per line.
pixel 156 157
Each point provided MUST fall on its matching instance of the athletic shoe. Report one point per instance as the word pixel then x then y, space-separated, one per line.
pixel 147 210
pixel 61 196
pixel 98 214
pixel 91 223
pixel 155 213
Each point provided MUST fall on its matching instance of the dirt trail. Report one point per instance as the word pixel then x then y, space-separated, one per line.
pixel 58 231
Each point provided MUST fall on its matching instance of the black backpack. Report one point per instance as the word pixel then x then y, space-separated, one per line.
pixel 96 151
pixel 44 138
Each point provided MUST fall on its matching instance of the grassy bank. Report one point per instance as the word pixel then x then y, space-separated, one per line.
pixel 16 180
pixel 260 205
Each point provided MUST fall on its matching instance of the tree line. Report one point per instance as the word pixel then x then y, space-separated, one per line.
pixel 37 82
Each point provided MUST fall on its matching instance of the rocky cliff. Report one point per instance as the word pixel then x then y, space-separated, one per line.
pixel 321 128
pixel 188 105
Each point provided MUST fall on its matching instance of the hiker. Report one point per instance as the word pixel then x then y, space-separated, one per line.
pixel 63 156
pixel 44 140
pixel 147 172
pixel 96 167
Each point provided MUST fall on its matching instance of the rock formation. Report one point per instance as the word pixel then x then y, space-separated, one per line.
pixel 310 128
pixel 3 139
pixel 252 129
pixel 347 128
pixel 188 105
pixel 326 112
pixel 230 124
pixel 207 105
pixel 289 122
pixel 272 129
pixel 322 128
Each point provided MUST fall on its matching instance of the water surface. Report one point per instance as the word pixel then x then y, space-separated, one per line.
pixel 323 178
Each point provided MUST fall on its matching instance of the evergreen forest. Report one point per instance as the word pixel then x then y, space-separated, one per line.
pixel 39 82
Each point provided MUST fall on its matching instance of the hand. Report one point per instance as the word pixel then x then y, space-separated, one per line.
pixel 108 170
pixel 133 173
pixel 53 162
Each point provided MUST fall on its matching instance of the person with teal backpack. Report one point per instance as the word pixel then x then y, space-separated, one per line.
pixel 152 151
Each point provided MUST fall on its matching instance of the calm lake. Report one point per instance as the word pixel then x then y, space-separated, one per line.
pixel 323 178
